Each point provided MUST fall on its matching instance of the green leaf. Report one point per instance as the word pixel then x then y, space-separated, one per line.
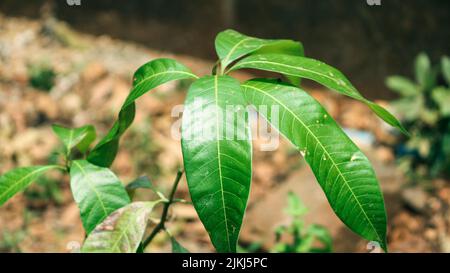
pixel 18 179
pixel 142 182
pixel 402 86
pixel 217 156
pixel 97 192
pixel 176 247
pixel 441 96
pixel 342 170
pixel 80 137
pixel 445 66
pixel 147 77
pixel 423 71
pixel 317 71
pixel 122 231
pixel 232 45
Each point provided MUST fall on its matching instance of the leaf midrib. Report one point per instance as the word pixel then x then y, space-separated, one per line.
pixel 216 95
pixel 13 186
pixel 90 184
pixel 355 94
pixel 325 150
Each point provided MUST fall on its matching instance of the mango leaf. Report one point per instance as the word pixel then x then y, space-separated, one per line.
pixel 445 66
pixel 147 77
pixel 176 247
pixel 317 71
pixel 97 192
pixel 232 45
pixel 402 86
pixel 342 170
pixel 217 156
pixel 122 231
pixel 18 179
pixel 80 137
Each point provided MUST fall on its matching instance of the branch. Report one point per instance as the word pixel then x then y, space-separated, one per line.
pixel 161 224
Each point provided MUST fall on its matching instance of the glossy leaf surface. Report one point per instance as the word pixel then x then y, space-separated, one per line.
pixel 217 156
pixel 97 192
pixel 342 170
pixel 317 71
pixel 75 137
pixel 146 78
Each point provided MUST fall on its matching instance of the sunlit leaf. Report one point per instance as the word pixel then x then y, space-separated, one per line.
pixel 217 156
pixel 97 192
pixel 342 170
pixel 146 78
pixel 232 45
pixel 445 63
pixel 317 71
pixel 18 179
pixel 122 231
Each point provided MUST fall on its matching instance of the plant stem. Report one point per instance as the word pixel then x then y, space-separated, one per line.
pixel 161 224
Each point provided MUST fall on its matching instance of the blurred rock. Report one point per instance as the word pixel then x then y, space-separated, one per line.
pixel 415 198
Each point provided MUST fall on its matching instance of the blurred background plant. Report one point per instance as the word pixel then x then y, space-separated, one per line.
pixel 42 76
pixel 424 107
pixel 296 236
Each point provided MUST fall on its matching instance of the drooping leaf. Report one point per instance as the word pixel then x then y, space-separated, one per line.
pixel 177 248
pixel 146 78
pixel 80 137
pixel 342 170
pixel 232 45
pixel 97 192
pixel 402 86
pixel 18 179
pixel 217 156
pixel 122 231
pixel 445 67
pixel 317 71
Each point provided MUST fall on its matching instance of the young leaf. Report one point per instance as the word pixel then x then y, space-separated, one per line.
pixel 18 179
pixel 232 45
pixel 176 247
pixel 97 192
pixel 147 77
pixel 122 231
pixel 342 170
pixel 316 71
pixel 217 156
pixel 80 137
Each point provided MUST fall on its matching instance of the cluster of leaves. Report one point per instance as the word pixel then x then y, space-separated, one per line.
pixel 219 170
pixel 424 107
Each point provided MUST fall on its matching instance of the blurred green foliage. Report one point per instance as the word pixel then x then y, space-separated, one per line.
pixel 424 107
pixel 42 76
pixel 302 238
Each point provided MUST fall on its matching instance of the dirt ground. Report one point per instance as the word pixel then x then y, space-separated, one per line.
pixel 93 76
